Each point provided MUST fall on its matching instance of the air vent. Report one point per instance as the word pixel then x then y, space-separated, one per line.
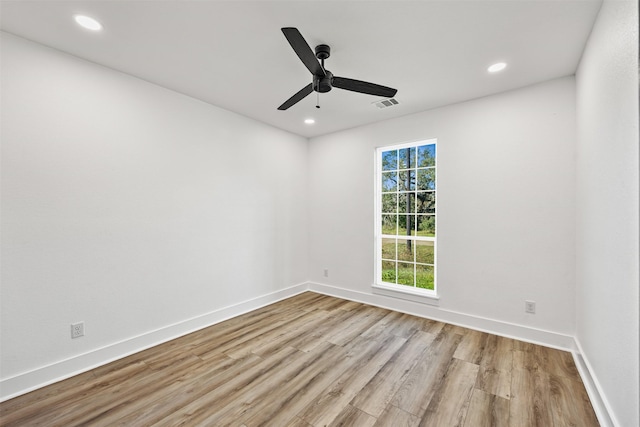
pixel 385 103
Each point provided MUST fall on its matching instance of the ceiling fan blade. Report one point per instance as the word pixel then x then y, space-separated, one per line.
pixel 297 97
pixel 363 87
pixel 303 51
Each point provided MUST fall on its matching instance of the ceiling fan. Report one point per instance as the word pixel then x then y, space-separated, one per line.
pixel 323 79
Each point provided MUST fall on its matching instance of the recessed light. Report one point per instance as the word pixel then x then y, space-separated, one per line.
pixel 309 121
pixel 499 66
pixel 88 22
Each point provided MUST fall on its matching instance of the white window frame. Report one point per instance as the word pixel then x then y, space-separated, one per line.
pixel 391 289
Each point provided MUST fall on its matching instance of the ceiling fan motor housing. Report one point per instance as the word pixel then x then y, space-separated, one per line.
pixel 323 84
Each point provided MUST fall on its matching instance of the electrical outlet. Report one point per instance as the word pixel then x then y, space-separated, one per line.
pixel 530 307
pixel 326 272
pixel 77 330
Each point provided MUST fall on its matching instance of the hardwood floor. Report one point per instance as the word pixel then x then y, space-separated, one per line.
pixel 314 360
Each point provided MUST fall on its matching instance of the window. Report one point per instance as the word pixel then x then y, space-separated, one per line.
pixel 406 217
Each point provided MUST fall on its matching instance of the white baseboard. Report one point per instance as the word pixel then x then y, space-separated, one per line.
pixel 45 375
pixel 600 404
pixel 497 327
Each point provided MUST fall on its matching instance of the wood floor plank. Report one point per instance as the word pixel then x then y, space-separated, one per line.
pixel 310 339
pixel 498 353
pixel 284 397
pixel 423 379
pixel 451 402
pixel 302 336
pixel 325 302
pixel 362 319
pixel 550 360
pixel 217 401
pixel 487 410
pixel 396 417
pixel 119 394
pixel 306 387
pixel 376 395
pixel 239 336
pixel 405 326
pixel 353 417
pixel 330 403
pixel 277 337
pixel 382 326
pixel 130 394
pixel 53 403
pixel 157 406
pixel 471 347
pixel 530 404
pixel 570 403
pixel 209 339
pixel 496 366
pixel 495 381
pixel 64 390
pixel 350 305
pixel 431 326
pixel 298 422
pixel 400 324
pixel 455 329
pixel 315 360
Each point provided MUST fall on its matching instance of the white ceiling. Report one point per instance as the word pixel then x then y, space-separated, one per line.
pixel 232 53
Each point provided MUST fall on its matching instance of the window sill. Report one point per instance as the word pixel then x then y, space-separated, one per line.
pixel 403 292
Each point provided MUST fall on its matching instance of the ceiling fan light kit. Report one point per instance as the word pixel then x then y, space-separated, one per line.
pixel 323 79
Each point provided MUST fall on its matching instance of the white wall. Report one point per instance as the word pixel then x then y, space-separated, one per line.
pixel 607 208
pixel 505 204
pixel 131 207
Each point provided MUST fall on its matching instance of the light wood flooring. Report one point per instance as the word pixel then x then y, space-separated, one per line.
pixel 314 360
